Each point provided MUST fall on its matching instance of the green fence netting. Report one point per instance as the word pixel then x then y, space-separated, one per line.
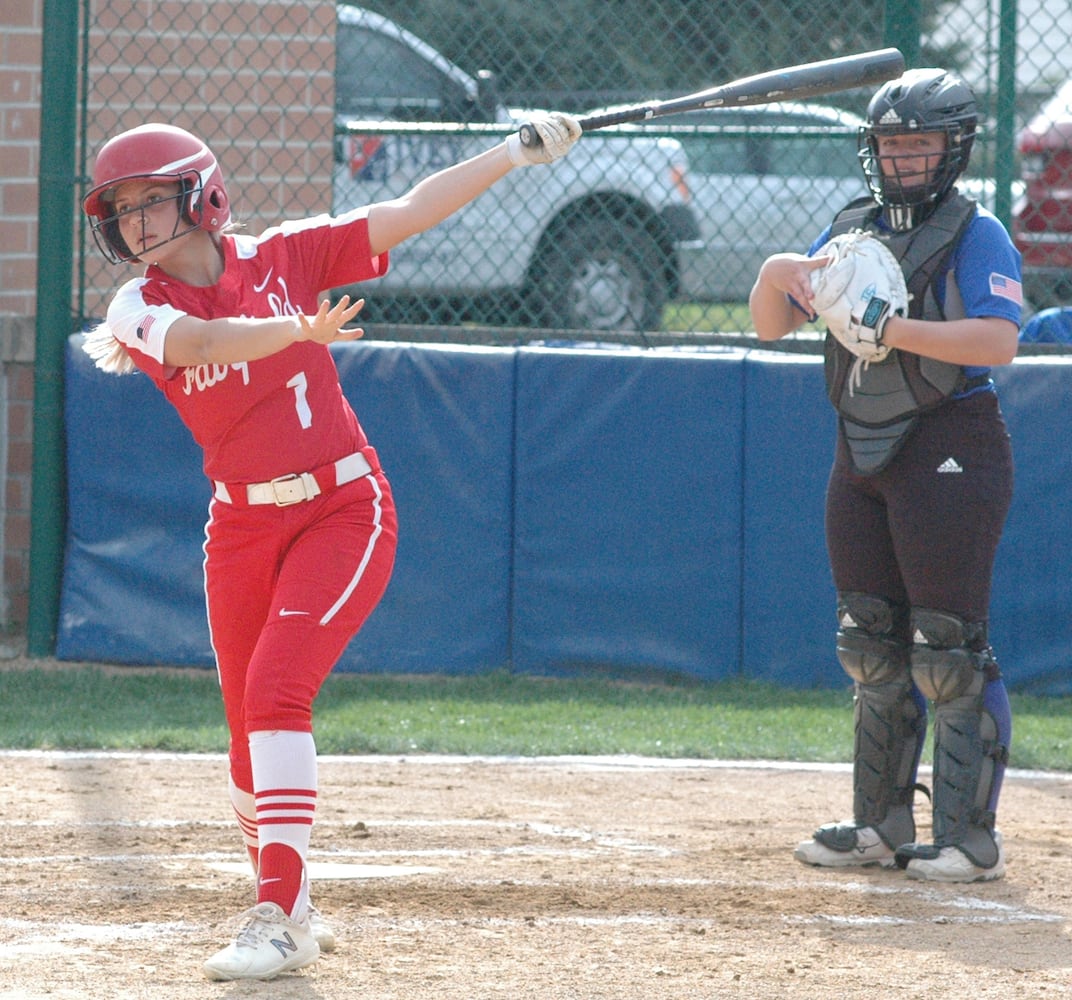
pixel 647 233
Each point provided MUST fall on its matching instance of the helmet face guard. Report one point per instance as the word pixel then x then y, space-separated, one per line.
pixel 922 100
pixel 156 153
pixel 108 235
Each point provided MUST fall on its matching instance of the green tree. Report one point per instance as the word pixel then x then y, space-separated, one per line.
pixel 599 51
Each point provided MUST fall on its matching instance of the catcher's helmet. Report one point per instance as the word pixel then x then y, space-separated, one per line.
pixel 156 152
pixel 921 100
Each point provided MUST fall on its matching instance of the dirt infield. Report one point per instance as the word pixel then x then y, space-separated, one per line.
pixel 550 879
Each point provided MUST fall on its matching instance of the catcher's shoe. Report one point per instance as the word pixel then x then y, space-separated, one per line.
pixel 321 930
pixel 951 864
pixel 845 845
pixel 268 943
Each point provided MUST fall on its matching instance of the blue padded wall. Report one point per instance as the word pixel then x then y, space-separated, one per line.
pixel 441 420
pixel 1031 603
pixel 562 510
pixel 133 589
pixel 627 512
pixel 788 598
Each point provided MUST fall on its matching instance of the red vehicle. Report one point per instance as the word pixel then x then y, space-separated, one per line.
pixel 1042 217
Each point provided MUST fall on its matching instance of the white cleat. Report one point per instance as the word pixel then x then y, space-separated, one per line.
pixel 863 848
pixel 268 943
pixel 321 929
pixel 953 865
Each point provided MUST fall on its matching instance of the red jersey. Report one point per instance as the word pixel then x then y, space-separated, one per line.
pixel 286 413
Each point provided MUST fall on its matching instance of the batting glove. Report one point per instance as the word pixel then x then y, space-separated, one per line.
pixel 557 132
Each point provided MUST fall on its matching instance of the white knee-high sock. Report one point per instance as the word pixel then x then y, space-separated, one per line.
pixel 284 788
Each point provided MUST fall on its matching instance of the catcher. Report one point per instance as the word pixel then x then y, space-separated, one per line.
pixel 919 290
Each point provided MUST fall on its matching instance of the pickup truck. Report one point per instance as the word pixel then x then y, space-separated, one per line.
pixel 592 242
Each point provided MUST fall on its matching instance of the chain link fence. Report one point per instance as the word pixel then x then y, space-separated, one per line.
pixel 649 234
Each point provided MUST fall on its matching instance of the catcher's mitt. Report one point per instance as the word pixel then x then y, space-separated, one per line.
pixel 859 290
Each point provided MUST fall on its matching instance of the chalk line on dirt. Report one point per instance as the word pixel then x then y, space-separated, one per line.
pixel 584 762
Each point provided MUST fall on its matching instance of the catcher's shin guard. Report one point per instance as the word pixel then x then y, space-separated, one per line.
pixel 953 665
pixel 890 722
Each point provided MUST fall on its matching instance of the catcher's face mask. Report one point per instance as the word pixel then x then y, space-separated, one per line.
pixel 909 163
pixel 910 172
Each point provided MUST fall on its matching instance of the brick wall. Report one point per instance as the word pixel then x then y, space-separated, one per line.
pixel 20 129
pixel 18 384
pixel 254 78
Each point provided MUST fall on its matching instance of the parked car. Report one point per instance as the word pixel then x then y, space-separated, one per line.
pixel 764 179
pixel 592 242
pixel 1042 216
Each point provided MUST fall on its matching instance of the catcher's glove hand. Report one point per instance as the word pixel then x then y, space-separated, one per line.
pixel 858 291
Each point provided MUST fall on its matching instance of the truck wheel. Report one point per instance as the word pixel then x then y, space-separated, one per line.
pixel 601 275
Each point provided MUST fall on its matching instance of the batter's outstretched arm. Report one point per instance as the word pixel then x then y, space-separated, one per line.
pixel 441 195
pixel 435 198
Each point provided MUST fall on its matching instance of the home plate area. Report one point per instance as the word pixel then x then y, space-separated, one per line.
pixel 545 878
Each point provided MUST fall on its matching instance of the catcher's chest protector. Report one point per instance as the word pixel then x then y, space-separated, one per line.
pixel 880 410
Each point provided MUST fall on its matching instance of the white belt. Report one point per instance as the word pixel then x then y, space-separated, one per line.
pixel 297 487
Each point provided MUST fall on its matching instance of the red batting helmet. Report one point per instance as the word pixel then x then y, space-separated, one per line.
pixel 156 152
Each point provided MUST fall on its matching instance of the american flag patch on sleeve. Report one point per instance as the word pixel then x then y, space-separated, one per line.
pixel 1006 288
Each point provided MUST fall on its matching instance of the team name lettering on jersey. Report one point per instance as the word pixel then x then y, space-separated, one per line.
pixel 202 377
pixel 280 304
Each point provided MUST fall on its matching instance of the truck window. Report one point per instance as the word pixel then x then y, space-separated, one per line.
pixel 379 78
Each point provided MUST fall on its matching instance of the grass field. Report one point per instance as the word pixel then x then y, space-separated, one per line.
pixel 99 707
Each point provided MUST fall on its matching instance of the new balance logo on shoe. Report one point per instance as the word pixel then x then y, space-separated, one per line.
pixel 285 946
pixel 949 465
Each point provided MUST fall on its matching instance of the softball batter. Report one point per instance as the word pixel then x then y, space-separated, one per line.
pixel 919 490
pixel 301 532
